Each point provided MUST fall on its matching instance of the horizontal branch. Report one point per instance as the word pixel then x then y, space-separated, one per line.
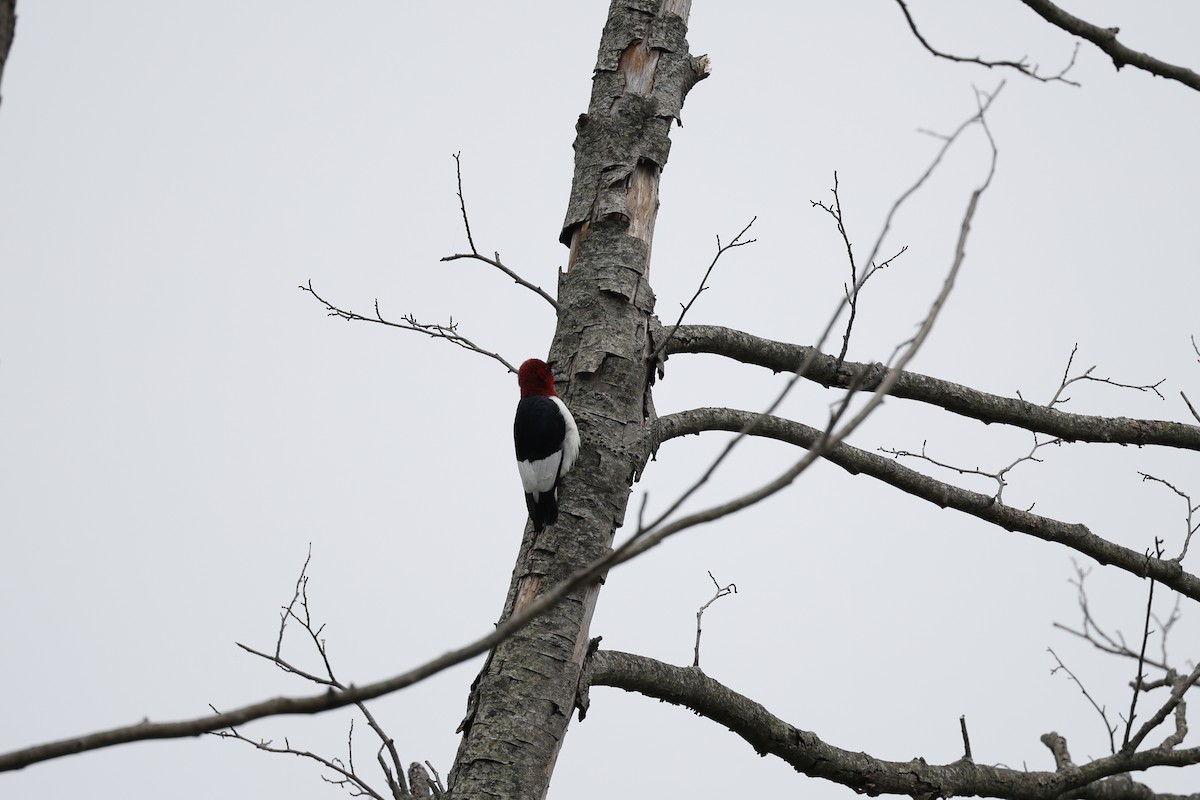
pixel 808 754
pixel 944 495
pixel 1106 40
pixel 408 322
pixel 958 399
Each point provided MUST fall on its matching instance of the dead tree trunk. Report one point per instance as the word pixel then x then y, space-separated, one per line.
pixel 8 26
pixel 523 699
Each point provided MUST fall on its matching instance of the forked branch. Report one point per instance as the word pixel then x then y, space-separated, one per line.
pixel 855 286
pixel 298 612
pixel 736 241
pixel 1021 66
pixel 1106 40
pixel 475 254
pixel 722 591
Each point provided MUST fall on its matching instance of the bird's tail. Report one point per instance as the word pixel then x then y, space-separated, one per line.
pixel 543 509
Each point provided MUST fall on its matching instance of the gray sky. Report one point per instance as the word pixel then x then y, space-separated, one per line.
pixel 178 422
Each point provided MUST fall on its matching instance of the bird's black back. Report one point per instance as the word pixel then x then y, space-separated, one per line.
pixel 539 428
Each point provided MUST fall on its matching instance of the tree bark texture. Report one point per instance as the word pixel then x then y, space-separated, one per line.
pixel 8 27
pixel 523 698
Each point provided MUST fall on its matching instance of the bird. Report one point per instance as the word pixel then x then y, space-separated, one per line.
pixel 546 439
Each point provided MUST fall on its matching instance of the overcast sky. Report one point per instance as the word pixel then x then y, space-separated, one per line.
pixel 178 422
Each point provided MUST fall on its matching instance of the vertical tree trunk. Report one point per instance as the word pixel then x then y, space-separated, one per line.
pixel 8 26
pixel 523 699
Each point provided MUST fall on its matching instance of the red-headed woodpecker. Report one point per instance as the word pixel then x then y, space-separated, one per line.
pixel 547 441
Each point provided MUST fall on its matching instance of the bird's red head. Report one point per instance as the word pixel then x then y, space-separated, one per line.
pixel 535 379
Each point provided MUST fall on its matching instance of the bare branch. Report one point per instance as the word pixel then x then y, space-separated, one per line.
pixel 462 201
pixel 393 773
pixel 348 778
pixel 1191 407
pixel 736 241
pixel 474 254
pixel 1106 40
pixel 1191 524
pixel 1058 747
pixel 495 262
pixel 999 476
pixel 1086 375
pixel 855 286
pixel 1092 632
pixel 808 754
pixel 1173 702
pixel 447 332
pixel 1108 726
pixel 854 460
pixel 1140 678
pixel 953 397
pixel 722 591
pixel 1020 66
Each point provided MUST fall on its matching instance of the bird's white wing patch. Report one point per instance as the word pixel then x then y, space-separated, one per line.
pixel 539 476
pixel 570 447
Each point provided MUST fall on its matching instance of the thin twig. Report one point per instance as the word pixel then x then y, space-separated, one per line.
pixel 498 264
pixel 1086 375
pixel 855 286
pixel 1191 407
pixel 447 332
pixel 348 777
pixel 462 201
pixel 1140 676
pixel 1092 632
pixel 1000 476
pixel 1190 526
pixel 736 241
pixel 394 775
pixel 722 591
pixel 1112 729
pixel 1020 66
pixel 475 254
